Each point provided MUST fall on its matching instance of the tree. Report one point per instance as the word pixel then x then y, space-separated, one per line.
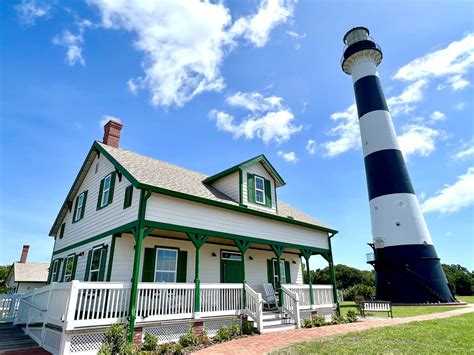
pixel 460 278
pixel 346 276
pixel 4 270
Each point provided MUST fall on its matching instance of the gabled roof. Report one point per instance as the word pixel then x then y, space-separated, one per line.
pixel 30 272
pixel 262 159
pixel 165 178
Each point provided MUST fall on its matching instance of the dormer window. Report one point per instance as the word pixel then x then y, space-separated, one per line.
pixel 259 190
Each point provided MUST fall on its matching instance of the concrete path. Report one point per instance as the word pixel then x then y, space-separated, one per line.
pixel 13 341
pixel 261 344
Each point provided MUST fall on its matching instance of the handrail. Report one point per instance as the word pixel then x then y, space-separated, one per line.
pixel 291 304
pixel 33 305
pixel 254 308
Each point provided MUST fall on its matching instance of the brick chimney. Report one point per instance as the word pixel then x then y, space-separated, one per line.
pixel 24 253
pixel 112 133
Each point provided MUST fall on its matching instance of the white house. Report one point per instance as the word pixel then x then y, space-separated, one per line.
pixel 164 248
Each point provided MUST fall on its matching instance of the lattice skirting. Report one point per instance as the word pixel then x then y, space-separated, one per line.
pixel 85 343
pixel 325 312
pixel 52 340
pixel 212 326
pixel 167 333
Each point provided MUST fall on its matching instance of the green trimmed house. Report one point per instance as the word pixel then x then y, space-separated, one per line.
pixel 163 248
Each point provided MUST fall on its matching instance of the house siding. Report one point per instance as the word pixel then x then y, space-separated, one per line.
pixel 229 185
pixel 176 211
pixel 259 170
pixel 96 221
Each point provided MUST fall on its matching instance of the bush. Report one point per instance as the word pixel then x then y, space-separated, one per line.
pixel 234 330
pixel 319 321
pixel 307 323
pixel 150 343
pixel 204 338
pixel 338 319
pixel 166 348
pixel 115 340
pixel 223 333
pixel 189 340
pixel 127 349
pixel 351 316
pixel 359 299
pixel 247 327
pixel 362 292
pixel 178 348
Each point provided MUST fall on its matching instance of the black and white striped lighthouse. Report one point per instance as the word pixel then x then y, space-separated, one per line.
pixel 407 267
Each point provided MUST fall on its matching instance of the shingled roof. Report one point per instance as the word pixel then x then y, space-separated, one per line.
pixel 30 272
pixel 164 175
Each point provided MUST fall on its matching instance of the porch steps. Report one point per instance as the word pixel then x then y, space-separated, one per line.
pixel 275 321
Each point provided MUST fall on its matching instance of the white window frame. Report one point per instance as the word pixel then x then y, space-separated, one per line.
pixel 54 273
pixel 275 271
pixel 262 190
pixel 99 250
pixel 67 276
pixel 106 191
pixel 80 206
pixel 231 253
pixel 175 272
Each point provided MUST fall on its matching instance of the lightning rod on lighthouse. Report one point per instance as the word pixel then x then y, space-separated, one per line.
pixel 407 268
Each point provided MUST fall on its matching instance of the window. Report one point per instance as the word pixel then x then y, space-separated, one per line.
pixel 234 256
pixel 61 231
pixel 95 264
pixel 106 191
pixel 80 206
pixel 259 190
pixel 55 270
pixel 275 272
pixel 127 202
pixel 166 265
pixel 68 273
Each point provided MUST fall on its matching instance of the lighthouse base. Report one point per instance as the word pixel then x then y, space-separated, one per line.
pixel 410 274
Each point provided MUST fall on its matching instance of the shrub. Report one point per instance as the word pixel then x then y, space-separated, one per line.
pixel 358 299
pixel 166 348
pixel 189 340
pixel 307 323
pixel 319 321
pixel 351 316
pixel 127 349
pixel 364 291
pixel 223 333
pixel 338 319
pixel 115 339
pixel 178 348
pixel 150 343
pixel 247 327
pixel 204 338
pixel 234 330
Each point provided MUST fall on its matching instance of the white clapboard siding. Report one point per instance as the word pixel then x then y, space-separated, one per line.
pixel 258 169
pixel 256 269
pixel 198 215
pixel 97 222
pixel 229 185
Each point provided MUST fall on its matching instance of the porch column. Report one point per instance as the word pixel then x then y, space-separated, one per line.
pixel 278 250
pixel 243 247
pixel 138 235
pixel 198 241
pixel 307 254
pixel 333 275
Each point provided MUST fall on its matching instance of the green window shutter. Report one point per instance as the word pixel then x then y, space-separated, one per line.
pixel 75 209
pixel 127 202
pixel 250 188
pixel 287 272
pixel 101 190
pixel 61 231
pixel 270 271
pixel 88 266
pixel 103 260
pixel 50 271
pixel 182 266
pixel 112 187
pixel 74 266
pixel 83 205
pixel 268 193
pixel 148 272
pixel 56 277
pixel 64 269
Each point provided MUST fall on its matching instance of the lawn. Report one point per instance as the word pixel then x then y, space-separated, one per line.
pixel 404 311
pixel 442 336
pixel 468 299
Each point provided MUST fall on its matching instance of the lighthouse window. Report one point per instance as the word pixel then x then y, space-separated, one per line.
pixel 259 190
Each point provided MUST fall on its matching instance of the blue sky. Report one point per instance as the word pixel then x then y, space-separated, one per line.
pixel 207 85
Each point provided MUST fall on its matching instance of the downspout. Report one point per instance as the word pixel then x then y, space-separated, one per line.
pixel 138 235
pixel 333 274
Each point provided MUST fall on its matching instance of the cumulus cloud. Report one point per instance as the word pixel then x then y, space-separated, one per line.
pixel 452 198
pixel 466 152
pixel 346 132
pixel 185 41
pixel 311 146
pixel 405 102
pixel 30 10
pixel 437 116
pixel 289 157
pixel 417 139
pixel 254 101
pixel 107 118
pixel 73 44
pixel 451 63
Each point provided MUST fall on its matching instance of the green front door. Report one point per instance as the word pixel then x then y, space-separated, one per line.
pixel 231 267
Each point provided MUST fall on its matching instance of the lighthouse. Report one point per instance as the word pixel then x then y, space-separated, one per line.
pixel 407 268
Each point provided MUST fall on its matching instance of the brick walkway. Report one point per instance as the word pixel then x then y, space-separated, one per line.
pixel 264 343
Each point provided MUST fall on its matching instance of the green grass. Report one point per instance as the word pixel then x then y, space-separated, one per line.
pixel 468 299
pixel 403 311
pixel 442 336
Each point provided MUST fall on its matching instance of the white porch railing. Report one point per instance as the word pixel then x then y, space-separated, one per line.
pixel 9 304
pixel 254 309
pixel 221 299
pixel 291 304
pixel 322 294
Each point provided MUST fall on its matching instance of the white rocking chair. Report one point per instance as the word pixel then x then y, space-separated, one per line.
pixel 270 296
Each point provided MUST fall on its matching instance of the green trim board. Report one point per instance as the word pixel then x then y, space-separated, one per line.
pixel 177 228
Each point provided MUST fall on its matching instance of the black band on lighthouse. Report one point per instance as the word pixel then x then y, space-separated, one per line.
pixel 369 95
pixel 387 173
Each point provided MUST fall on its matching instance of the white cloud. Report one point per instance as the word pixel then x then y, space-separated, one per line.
pixel 346 132
pixel 418 140
pixel 460 106
pixel 465 153
pixel 254 101
pixel 437 116
pixel 31 10
pixel 296 37
pixel 107 118
pixel 451 63
pixel 256 28
pixel 311 146
pixel 185 41
pixel 452 198
pixel 289 157
pixel 405 102
pixel 73 44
